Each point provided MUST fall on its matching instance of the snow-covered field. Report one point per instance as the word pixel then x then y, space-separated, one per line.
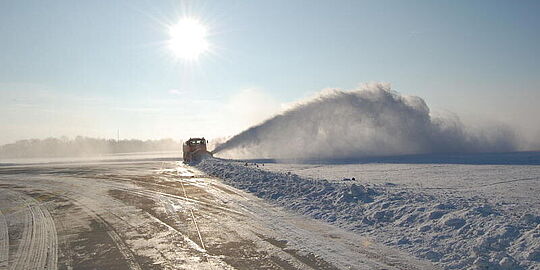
pixel 457 215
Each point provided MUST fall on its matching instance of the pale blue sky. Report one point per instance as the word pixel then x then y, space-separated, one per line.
pixel 92 67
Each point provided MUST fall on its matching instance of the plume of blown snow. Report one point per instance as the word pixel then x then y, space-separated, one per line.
pixel 371 121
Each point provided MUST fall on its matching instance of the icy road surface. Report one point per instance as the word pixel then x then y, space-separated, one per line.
pixel 154 214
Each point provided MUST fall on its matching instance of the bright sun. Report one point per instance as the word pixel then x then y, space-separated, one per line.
pixel 188 39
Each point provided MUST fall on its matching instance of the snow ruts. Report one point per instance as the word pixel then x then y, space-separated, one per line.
pixel 38 246
pixel 4 242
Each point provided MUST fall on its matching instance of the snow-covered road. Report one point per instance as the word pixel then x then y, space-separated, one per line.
pixel 161 214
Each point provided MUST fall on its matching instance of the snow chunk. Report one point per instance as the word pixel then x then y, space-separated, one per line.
pixel 454 222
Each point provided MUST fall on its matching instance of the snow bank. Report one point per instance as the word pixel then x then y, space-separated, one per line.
pixel 453 232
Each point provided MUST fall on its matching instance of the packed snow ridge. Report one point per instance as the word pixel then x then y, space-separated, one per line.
pixel 453 232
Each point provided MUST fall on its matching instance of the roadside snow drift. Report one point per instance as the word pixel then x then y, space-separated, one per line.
pixel 453 232
pixel 372 121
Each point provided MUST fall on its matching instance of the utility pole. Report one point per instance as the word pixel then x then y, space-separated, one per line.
pixel 118 136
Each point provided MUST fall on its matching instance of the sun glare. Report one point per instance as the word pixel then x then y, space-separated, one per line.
pixel 188 39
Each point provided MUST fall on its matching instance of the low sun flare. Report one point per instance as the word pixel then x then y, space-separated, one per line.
pixel 188 39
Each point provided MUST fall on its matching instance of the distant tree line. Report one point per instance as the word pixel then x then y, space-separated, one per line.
pixel 83 146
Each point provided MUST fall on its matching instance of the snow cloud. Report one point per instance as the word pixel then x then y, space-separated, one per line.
pixel 370 121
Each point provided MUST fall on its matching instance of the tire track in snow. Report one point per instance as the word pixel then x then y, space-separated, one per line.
pixel 52 245
pixel 38 248
pixel 508 181
pixel 23 250
pixel 4 242
pixel 126 252
pixel 152 193
pixel 110 230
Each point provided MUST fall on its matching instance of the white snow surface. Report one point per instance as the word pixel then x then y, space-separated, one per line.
pixel 458 216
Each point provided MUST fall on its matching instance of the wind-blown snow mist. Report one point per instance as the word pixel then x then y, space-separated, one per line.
pixel 371 121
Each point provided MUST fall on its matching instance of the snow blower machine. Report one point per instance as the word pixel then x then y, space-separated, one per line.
pixel 195 150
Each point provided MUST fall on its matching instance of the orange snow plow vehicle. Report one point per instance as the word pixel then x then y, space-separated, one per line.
pixel 195 150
